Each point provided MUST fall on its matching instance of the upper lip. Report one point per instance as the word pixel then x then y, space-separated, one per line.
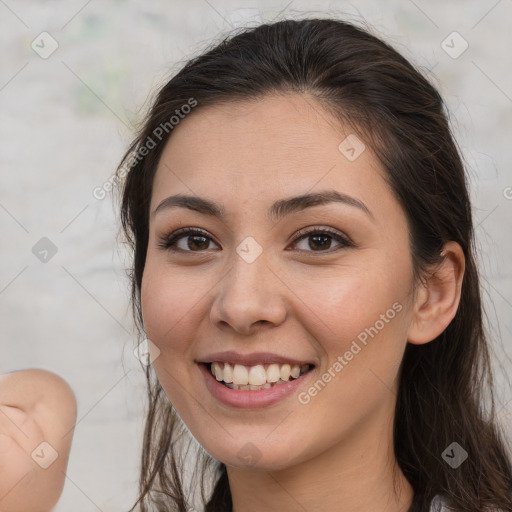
pixel 250 359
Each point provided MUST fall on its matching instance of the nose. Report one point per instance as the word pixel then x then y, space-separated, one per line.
pixel 249 296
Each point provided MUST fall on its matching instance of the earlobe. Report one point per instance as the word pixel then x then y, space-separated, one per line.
pixel 438 298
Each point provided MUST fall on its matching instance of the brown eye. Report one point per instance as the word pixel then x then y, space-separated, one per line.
pixel 198 240
pixel 321 239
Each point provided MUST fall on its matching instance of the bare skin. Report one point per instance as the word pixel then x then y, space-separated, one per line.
pixel 36 406
pixel 295 299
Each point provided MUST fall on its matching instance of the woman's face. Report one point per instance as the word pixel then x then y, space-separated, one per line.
pixel 252 284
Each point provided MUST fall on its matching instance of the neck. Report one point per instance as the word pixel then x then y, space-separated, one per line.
pixel 358 474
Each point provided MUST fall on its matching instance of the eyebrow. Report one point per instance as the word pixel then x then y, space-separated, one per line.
pixel 277 211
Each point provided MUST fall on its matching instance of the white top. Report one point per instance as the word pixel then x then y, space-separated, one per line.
pixel 439 504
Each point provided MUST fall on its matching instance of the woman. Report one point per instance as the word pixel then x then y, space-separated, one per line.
pixel 305 276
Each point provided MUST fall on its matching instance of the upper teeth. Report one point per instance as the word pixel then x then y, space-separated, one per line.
pixel 256 375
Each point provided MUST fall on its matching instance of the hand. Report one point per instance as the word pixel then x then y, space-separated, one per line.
pixel 19 436
pixel 36 407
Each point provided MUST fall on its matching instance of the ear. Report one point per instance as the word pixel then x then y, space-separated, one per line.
pixel 438 298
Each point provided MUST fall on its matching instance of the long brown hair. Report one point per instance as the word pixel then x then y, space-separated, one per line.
pixel 394 109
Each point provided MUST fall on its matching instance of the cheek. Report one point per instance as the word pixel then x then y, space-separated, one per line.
pixel 155 297
pixel 360 316
pixel 173 302
pixel 166 301
pixel 355 299
pixel 168 304
pixel 359 322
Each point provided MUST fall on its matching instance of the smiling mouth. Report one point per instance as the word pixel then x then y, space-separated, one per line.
pixel 258 377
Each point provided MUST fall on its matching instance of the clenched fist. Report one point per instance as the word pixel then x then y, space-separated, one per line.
pixel 37 416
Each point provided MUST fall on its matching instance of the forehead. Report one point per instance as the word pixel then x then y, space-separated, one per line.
pixel 263 149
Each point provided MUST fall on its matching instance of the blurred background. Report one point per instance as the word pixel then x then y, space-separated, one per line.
pixel 75 79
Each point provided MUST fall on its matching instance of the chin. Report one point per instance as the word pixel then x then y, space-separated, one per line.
pixel 248 456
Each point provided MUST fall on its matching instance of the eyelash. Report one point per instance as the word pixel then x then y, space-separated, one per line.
pixel 169 241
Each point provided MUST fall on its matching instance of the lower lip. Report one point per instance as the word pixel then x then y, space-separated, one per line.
pixel 246 399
